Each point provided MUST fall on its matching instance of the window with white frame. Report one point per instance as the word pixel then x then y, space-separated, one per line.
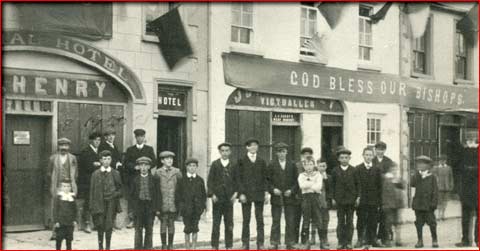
pixel 460 56
pixel 365 44
pixel 374 129
pixel 242 23
pixel 150 12
pixel 308 27
pixel 420 52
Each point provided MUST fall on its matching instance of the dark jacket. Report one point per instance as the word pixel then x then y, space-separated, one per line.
pixel 116 155
pixel 426 192
pixel 384 165
pixel 131 156
pixel 220 181
pixel 154 188
pixel 344 185
pixel 191 197
pixel 392 194
pixel 251 178
pixel 469 177
pixel 282 180
pixel 96 191
pixel 369 185
pixel 65 212
pixel 85 170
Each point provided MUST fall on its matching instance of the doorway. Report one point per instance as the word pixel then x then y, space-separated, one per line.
pixel 290 135
pixel 171 136
pixel 451 146
pixel 332 138
pixel 27 148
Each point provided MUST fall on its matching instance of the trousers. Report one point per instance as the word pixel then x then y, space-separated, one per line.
pixel 222 209
pixel 246 213
pixel 289 216
pixel 345 224
pixel 367 223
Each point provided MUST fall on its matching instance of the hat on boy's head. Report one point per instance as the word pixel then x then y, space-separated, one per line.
pixel 166 154
pixel 306 150
pixel 280 146
pixel 191 160
pixel 109 131
pixel 423 159
pixel 224 144
pixel 144 160
pixel 251 140
pixel 381 145
pixel 64 141
pixel 139 132
pixel 442 157
pixel 343 150
pixel 94 135
pixel 105 153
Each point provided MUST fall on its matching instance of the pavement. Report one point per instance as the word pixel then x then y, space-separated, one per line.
pixel 449 232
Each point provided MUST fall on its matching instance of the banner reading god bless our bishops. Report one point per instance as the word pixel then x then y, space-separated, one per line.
pixel 310 80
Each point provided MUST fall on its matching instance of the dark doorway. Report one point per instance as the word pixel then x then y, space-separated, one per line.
pixel 332 137
pixel 171 136
pixel 26 152
pixel 290 135
pixel 450 145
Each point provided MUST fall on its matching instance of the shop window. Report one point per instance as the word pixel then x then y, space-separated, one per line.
pixel 374 129
pixel 242 23
pixel 308 28
pixel 152 11
pixel 460 56
pixel 365 44
pixel 421 50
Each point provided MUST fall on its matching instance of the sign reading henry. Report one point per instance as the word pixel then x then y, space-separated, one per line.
pixel 307 80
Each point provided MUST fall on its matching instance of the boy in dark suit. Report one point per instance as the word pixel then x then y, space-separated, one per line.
pixel 383 163
pixel 222 190
pixel 147 203
pixel 89 161
pixel 282 185
pixel 132 154
pixel 109 144
pixel 369 179
pixel 345 194
pixel 252 189
pixel 425 199
pixel 65 215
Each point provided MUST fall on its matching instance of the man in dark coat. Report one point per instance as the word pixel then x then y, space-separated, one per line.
pixel 89 161
pixel 109 144
pixel 133 153
pixel 383 163
pixel 252 189
pixel 369 179
pixel 469 192
pixel 222 190
pixel 282 185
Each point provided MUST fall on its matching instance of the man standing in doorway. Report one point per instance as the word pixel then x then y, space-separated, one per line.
pixel 109 144
pixel 383 163
pixel 252 188
pixel 140 149
pixel 61 165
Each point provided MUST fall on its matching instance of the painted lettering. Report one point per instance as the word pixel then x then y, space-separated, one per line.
pixel 19 83
pixel 293 78
pixel 402 89
pixel 39 82
pixel 61 86
pixel 94 54
pixel 437 96
pixel 81 89
pixel 360 86
pixel 79 48
pixel 101 88
pixel 332 83
pixel 109 64
pixel 369 87
pixel 383 87
pixel 340 87
pixel 17 38
pixel 305 79
pixel 350 84
pixel 63 43
pixel 316 81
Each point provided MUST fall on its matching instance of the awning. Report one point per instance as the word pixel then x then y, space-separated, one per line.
pixel 311 80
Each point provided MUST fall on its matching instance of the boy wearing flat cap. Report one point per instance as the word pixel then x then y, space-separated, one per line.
pixel 140 149
pixel 282 185
pixel 222 190
pixel 169 177
pixel 109 144
pixel 191 199
pixel 147 203
pixel 345 194
pixel 383 163
pixel 252 189
pixel 425 200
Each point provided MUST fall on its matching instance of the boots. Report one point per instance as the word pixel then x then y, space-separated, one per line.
pixel 420 237
pixel 108 239
pixel 194 241
pixel 170 242
pixel 433 231
pixel 100 240
pixel 322 234
pixel 69 245
pixel 163 236
pixel 87 229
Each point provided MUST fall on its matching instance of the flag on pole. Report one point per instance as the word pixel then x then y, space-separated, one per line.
pixel 470 21
pixel 173 40
pixel 380 15
pixel 418 14
pixel 332 11
pixel 317 44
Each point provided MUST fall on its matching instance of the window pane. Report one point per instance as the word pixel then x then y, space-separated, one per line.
pixel 378 125
pixel 368 39
pixel 236 18
pixel 312 14
pixel 247 19
pixel 377 137
pixel 234 35
pixel 311 28
pixel 369 128
pixel 367 52
pixel 244 35
pixel 247 7
pixel 361 25
pixel 236 7
pixel 368 26
pixel 304 13
pixel 303 27
pixel 364 11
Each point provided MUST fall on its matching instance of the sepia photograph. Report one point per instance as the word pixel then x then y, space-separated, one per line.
pixel 240 125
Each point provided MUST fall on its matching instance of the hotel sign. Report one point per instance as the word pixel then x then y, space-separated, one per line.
pixel 314 81
pixel 171 100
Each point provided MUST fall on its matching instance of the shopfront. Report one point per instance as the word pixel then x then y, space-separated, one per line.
pixel 55 87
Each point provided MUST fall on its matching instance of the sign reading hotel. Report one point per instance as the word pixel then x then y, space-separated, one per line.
pixel 315 81
pixel 171 100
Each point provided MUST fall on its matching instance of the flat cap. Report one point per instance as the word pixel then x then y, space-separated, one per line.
pixel 166 154
pixel 252 140
pixel 306 150
pixel 280 146
pixel 224 144
pixel 144 159
pixel 64 141
pixel 94 135
pixel 381 145
pixel 105 153
pixel 343 150
pixel 109 131
pixel 139 132
pixel 191 160
pixel 423 159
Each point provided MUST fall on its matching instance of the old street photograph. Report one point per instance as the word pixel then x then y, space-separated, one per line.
pixel 240 125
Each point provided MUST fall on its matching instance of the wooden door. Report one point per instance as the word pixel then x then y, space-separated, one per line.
pixel 290 136
pixel 171 137
pixel 27 148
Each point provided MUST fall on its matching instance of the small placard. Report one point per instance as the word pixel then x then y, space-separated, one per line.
pixel 278 117
pixel 21 137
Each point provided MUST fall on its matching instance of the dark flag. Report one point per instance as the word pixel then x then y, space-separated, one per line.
pixel 470 21
pixel 331 11
pixel 380 15
pixel 173 40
